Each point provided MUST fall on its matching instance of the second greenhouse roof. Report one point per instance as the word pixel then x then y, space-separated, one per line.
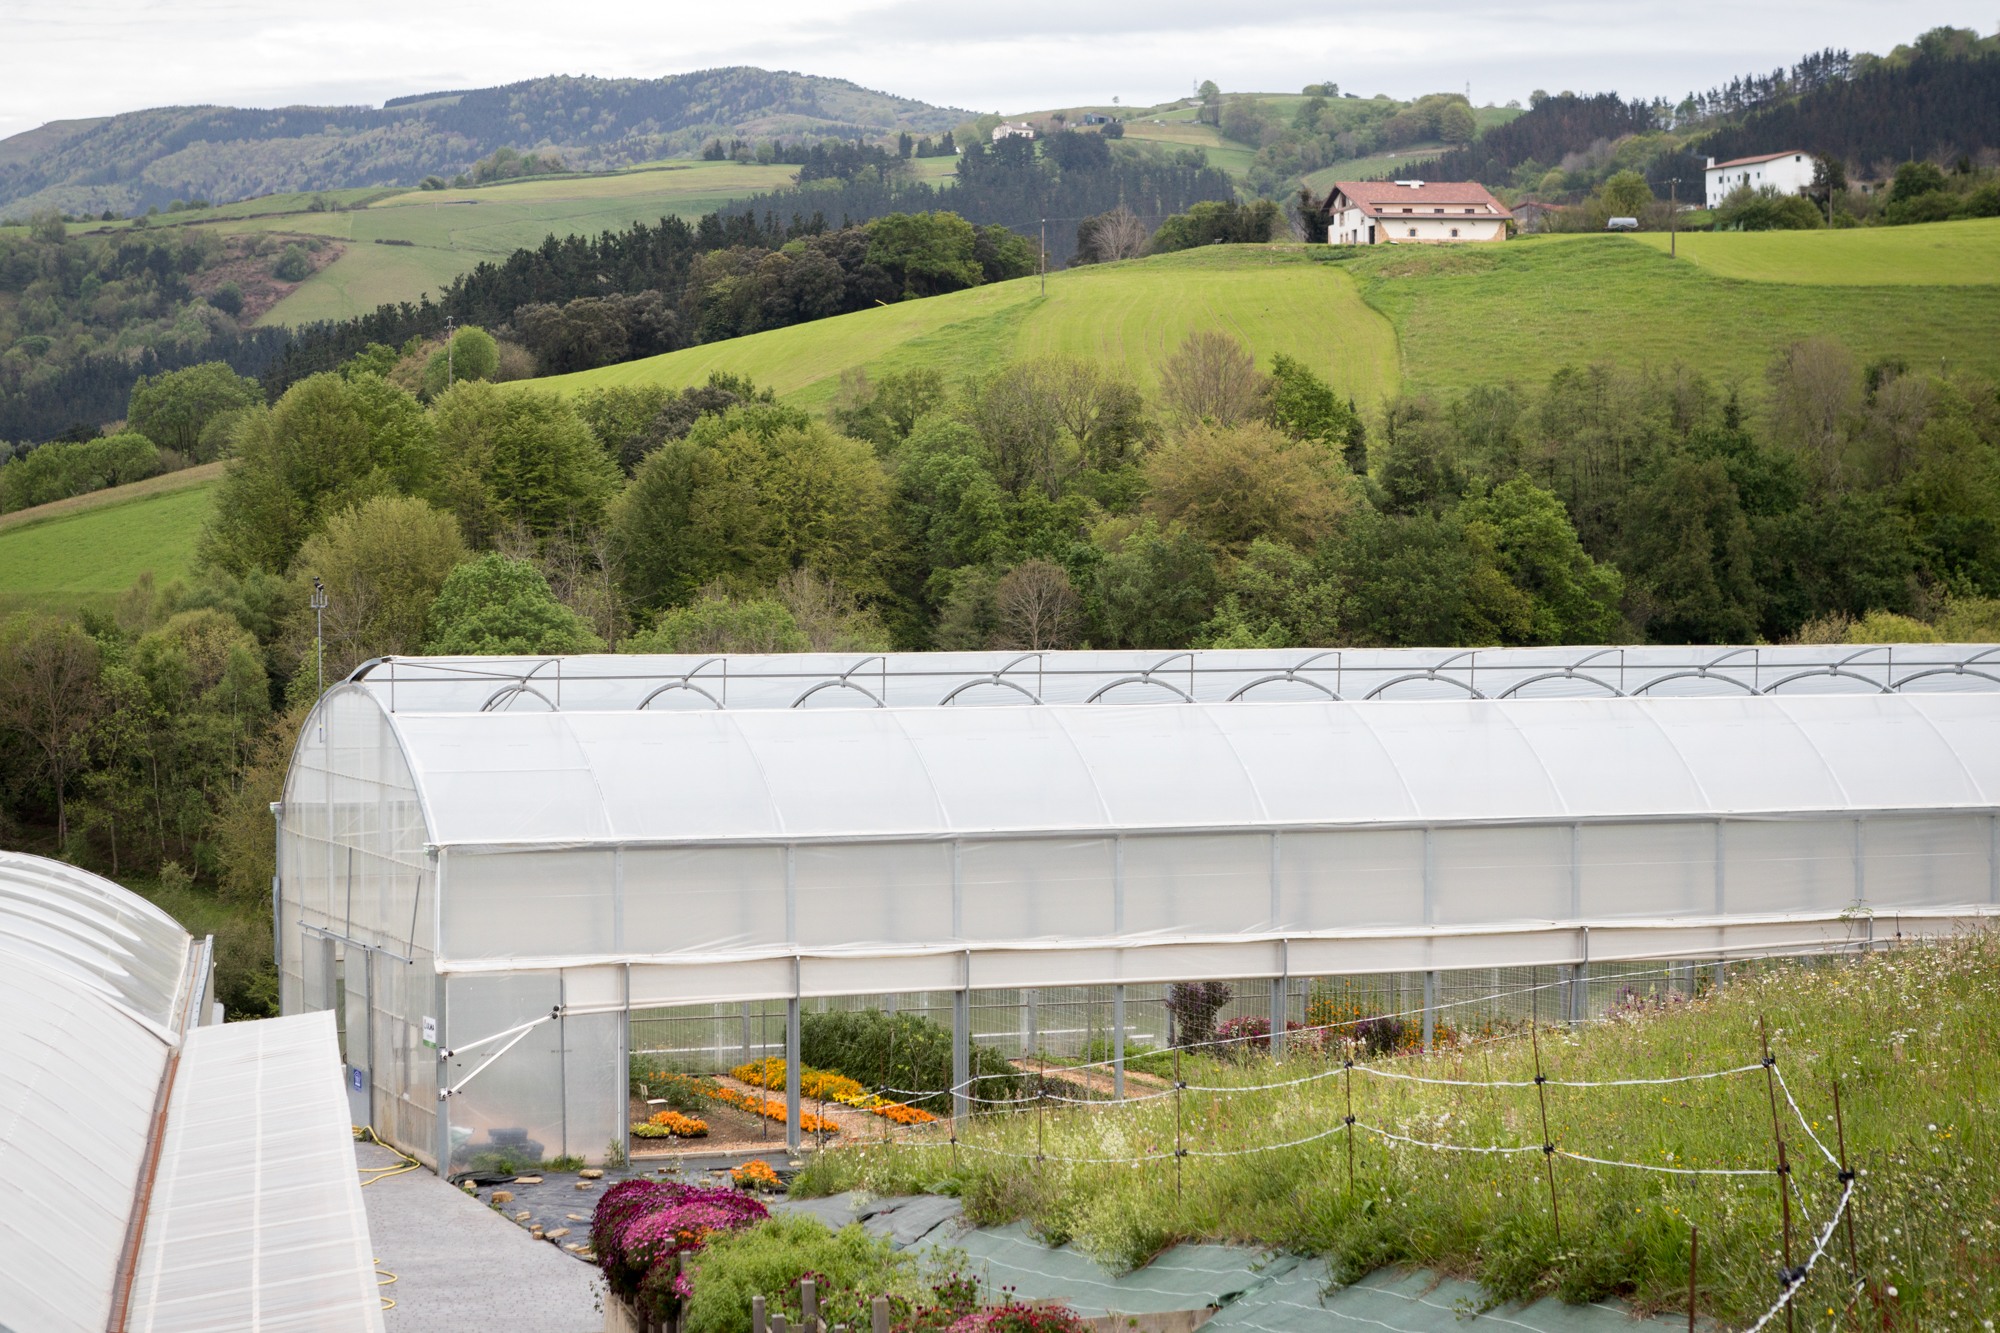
pixel 580 778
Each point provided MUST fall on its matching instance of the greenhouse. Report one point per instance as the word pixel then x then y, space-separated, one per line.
pixel 164 1171
pixel 494 871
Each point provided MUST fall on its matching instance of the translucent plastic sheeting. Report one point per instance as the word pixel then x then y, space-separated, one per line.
pixel 256 1218
pixel 569 780
pixel 79 1082
pixel 103 936
pixel 831 680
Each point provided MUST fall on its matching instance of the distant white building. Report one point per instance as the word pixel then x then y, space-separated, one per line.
pixel 1413 213
pixel 1787 173
pixel 1013 129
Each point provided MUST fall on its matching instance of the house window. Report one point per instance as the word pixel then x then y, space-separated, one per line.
pixel 1413 231
pixel 1454 232
pixel 1437 210
pixel 1472 210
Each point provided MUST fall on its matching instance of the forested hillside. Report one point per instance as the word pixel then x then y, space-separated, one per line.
pixel 128 162
pixel 776 260
pixel 1938 99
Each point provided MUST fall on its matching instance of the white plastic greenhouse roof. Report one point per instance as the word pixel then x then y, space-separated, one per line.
pixel 98 996
pixel 256 1219
pixel 104 938
pixel 82 1076
pixel 831 680
pixel 579 778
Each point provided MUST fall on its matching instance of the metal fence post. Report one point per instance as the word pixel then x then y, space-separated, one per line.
pixel 961 1043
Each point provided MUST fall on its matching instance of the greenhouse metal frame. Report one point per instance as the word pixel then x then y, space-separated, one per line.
pixel 486 878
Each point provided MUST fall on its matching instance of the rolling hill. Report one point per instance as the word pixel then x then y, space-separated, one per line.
pixel 1130 316
pixel 1371 322
pixel 1426 318
pixel 83 552
pixel 129 161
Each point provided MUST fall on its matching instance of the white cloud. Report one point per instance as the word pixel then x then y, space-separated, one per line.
pixel 94 57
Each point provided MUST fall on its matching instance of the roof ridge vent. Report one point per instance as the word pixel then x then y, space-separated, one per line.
pixel 1415 185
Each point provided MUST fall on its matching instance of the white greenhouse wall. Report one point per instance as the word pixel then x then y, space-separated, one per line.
pixel 526 879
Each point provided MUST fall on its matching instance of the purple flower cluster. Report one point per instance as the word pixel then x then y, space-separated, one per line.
pixel 640 1225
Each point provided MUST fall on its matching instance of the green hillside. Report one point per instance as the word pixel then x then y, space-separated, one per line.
pixel 1130 315
pixel 1518 311
pixel 449 231
pixel 1940 254
pixel 1430 317
pixel 151 157
pixel 84 552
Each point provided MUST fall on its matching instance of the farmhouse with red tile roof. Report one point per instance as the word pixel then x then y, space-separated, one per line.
pixel 1413 213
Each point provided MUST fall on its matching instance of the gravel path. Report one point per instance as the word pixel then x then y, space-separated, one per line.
pixel 460 1265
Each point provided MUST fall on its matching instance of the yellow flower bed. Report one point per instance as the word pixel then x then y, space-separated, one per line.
pixel 823 1085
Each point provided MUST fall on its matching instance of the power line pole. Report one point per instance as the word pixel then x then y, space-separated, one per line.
pixel 1045 256
pixel 318 605
pixel 1673 216
pixel 449 338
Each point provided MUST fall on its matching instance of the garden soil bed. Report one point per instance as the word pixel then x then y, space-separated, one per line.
pixel 734 1131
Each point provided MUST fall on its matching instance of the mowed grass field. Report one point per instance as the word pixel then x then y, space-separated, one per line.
pixel 83 553
pixel 1127 316
pixel 1936 254
pixel 1376 320
pixel 1519 311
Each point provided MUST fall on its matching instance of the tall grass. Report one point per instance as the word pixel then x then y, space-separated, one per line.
pixel 1909 1034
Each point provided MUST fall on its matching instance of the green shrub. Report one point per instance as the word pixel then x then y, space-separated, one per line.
pixel 293 265
pixel 899 1051
pixel 849 1266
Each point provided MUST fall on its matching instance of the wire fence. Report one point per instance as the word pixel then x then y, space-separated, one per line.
pixel 1062 1030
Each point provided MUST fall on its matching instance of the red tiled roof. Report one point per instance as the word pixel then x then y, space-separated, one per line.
pixel 1753 161
pixel 1374 197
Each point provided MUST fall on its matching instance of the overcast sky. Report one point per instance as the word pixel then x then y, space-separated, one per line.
pixel 61 59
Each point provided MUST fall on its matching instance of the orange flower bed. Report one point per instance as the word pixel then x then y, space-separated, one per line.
pixel 902 1115
pixel 686 1126
pixel 755 1175
pixel 772 1109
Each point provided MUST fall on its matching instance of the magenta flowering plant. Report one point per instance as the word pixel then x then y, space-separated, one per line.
pixel 640 1225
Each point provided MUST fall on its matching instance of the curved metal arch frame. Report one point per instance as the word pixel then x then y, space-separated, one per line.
pixel 1881 687
pixel 513 691
pixel 1699 673
pixel 1290 677
pixel 1961 670
pixel 1144 678
pixel 1471 690
pixel 841 683
pixel 985 681
pixel 683 684
pixel 1567 673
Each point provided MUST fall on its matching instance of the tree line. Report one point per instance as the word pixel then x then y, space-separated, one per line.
pixel 1043 503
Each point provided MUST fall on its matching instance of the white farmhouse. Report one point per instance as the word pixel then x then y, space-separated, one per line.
pixel 1413 213
pixel 1788 173
pixel 1013 129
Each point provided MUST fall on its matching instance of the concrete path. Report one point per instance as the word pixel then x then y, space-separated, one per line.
pixel 459 1265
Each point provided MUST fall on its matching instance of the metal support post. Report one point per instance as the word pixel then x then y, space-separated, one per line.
pixel 792 1132
pixel 1118 1042
pixel 1280 1014
pixel 1430 1008
pixel 961 1045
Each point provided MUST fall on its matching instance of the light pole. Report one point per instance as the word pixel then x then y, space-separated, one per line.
pixel 319 630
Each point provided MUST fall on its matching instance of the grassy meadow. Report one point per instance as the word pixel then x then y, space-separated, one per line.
pixel 1129 316
pixel 1935 254
pixel 1900 1031
pixel 84 552
pixel 1433 317
pixel 1494 313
